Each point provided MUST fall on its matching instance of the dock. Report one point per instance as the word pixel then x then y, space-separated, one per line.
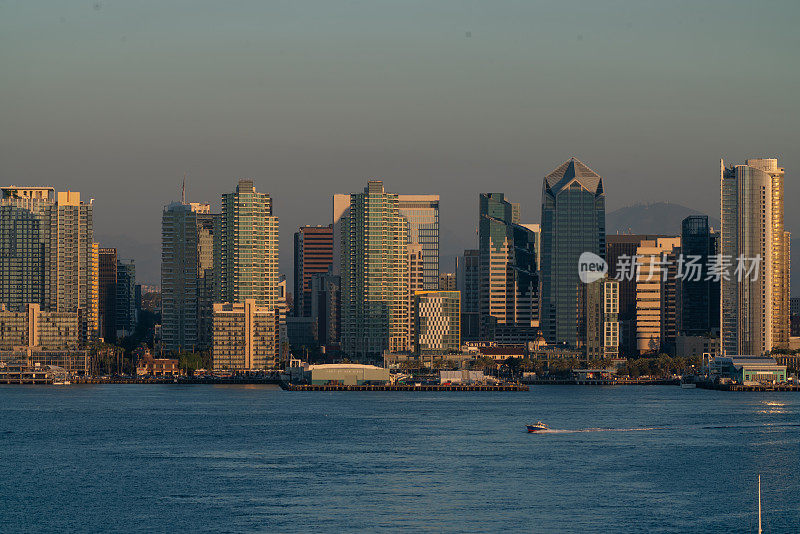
pixel 404 387
pixel 748 387
pixel 605 382
pixel 22 373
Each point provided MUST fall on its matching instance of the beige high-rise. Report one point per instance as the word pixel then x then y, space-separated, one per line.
pixel 755 311
pixel 655 293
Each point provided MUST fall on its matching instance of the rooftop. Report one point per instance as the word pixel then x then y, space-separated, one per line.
pixel 573 170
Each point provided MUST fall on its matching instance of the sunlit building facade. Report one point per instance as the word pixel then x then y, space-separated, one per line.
pixel 245 336
pixel 422 214
pixel 656 263
pixel 754 311
pixel 375 313
pixel 509 282
pixel 437 316
pixel 47 254
pixel 598 319
pixel 247 248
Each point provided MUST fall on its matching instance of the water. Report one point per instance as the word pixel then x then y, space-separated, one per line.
pixel 160 458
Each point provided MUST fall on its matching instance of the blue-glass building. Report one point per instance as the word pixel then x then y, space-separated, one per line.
pixel 699 297
pixel 573 222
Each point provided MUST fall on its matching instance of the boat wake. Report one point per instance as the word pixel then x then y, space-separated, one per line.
pixel 764 426
pixel 581 430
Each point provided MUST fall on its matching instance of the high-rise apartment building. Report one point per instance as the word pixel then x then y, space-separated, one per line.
pixel 313 254
pixel 48 254
pixel 437 317
pixel 698 292
pixel 246 248
pixel 754 310
pixel 126 298
pixel 573 222
pixel 107 260
pixel 468 283
pixel 509 283
pixel 374 274
pixel 187 275
pixel 422 214
pixel 598 319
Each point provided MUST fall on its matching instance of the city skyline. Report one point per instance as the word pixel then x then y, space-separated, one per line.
pixel 296 266
pixel 476 100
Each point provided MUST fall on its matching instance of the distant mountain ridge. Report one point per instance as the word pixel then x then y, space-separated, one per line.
pixel 653 218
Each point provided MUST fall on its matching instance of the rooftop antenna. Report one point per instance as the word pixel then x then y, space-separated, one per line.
pixel 183 190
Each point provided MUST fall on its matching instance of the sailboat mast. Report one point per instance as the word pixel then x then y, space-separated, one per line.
pixel 759 504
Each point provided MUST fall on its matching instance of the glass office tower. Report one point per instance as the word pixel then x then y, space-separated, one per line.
pixel 699 297
pixel 509 284
pixel 573 222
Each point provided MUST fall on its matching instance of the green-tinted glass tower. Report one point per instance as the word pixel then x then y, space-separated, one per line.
pixel 573 222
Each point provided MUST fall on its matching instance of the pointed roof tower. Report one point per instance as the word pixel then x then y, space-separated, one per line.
pixel 573 170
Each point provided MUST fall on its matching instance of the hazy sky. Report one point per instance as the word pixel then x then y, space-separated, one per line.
pixel 118 99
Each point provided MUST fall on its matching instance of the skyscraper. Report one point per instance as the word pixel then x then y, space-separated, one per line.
pixel 108 293
pixel 468 283
pixel 187 259
pixel 422 214
pixel 698 307
pixel 755 310
pixel 126 298
pixel 47 254
pixel 313 254
pixel 509 283
pixel 326 308
pixel 207 224
pixel 374 274
pixel 573 222
pixel 655 294
pixel 247 246
pixel 620 251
